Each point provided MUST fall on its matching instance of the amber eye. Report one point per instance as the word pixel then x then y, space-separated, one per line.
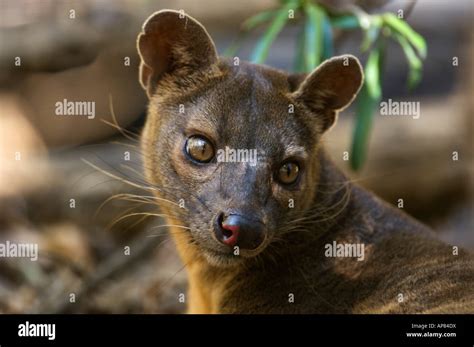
pixel 288 173
pixel 200 149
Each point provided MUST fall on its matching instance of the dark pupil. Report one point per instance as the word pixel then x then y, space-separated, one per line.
pixel 288 168
pixel 202 144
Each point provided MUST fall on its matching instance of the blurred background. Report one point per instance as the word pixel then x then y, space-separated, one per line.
pixel 101 245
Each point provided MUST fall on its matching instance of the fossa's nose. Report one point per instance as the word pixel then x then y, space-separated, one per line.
pixel 238 230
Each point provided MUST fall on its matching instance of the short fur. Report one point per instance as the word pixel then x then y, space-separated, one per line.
pixel 246 106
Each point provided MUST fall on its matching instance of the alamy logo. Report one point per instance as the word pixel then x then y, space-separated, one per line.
pixel 75 108
pixel 19 250
pixel 345 250
pixel 400 108
pixel 231 155
pixel 28 329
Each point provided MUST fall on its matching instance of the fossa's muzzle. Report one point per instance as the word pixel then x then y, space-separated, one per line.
pixel 238 230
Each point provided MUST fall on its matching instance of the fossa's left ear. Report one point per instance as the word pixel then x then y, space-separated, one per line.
pixel 331 87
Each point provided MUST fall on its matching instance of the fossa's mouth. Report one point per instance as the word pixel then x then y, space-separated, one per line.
pixel 221 259
pixel 229 257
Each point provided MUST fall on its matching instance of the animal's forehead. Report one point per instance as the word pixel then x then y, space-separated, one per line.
pixel 249 91
pixel 257 80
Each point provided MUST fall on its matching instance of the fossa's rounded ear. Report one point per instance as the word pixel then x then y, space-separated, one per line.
pixel 174 43
pixel 331 87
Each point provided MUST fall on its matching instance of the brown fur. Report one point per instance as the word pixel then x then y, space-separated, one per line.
pixel 246 106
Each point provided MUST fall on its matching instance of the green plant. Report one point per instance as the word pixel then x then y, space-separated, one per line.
pixel 315 43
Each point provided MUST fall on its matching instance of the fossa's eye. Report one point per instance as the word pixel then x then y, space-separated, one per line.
pixel 288 173
pixel 199 149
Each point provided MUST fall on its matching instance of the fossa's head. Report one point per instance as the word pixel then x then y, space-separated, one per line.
pixel 236 142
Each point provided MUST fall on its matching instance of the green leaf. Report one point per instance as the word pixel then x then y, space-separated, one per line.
pixel 258 19
pixel 314 35
pixel 404 29
pixel 366 106
pixel 300 62
pixel 371 35
pixel 372 73
pixel 345 22
pixel 415 63
pixel 328 45
pixel 248 25
pixel 262 48
pixel 367 103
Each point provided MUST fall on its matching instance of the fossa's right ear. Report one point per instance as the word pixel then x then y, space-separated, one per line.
pixel 330 88
pixel 173 43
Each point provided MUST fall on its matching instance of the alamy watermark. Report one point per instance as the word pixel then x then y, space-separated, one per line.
pixel 10 249
pixel 240 155
pixel 400 108
pixel 345 250
pixel 75 108
pixel 28 329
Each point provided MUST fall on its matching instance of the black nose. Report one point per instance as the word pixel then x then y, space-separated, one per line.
pixel 237 230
